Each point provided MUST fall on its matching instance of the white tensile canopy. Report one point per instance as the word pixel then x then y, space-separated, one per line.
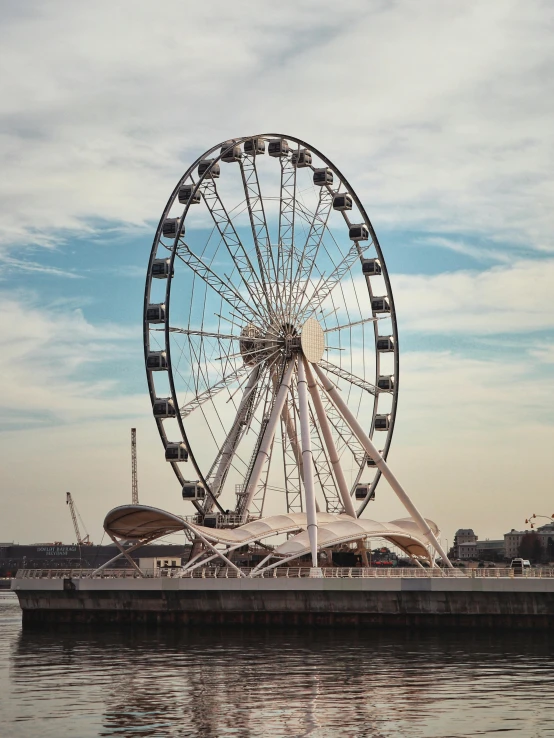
pixel 135 522
pixel 402 533
pixel 142 523
pixel 257 530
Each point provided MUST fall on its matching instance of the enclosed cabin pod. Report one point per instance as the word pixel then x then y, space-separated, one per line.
pixel 210 521
pixel 386 382
pixel 278 147
pixel 380 304
pixel 161 268
pixel 323 177
pixel 193 491
pixel 358 232
pixel 155 313
pixel 371 462
pixel 371 266
pixel 342 201
pixel 362 491
pixel 254 146
pixel 187 194
pixel 382 422
pixel 385 344
pixel 170 228
pixel 176 452
pixel 156 361
pixel 208 168
pixel 302 158
pixel 230 153
pixel 163 407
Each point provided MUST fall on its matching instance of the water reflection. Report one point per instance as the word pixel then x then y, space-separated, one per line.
pixel 253 683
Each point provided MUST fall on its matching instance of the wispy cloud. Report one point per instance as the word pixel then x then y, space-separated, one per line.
pixel 442 121
pixel 11 264
pixel 502 299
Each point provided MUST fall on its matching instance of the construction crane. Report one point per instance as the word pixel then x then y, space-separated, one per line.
pixel 134 479
pixel 74 515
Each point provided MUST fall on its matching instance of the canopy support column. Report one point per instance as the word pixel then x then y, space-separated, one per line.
pixel 214 549
pixel 124 552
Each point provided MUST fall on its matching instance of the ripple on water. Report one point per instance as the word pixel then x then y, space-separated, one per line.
pixel 253 683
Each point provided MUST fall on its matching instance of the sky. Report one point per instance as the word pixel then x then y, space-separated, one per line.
pixel 440 114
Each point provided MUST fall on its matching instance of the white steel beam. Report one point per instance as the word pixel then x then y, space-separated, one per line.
pixel 307 461
pixel 267 439
pixel 330 443
pixel 334 395
pixel 231 442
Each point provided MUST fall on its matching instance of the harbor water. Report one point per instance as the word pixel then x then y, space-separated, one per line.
pixel 254 683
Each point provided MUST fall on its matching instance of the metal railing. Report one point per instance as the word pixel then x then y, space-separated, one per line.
pixel 288 572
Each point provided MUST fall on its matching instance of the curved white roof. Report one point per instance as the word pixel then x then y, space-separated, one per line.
pixel 137 521
pixel 346 529
pixel 134 522
pixel 263 528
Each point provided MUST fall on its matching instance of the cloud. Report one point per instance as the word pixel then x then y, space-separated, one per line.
pixel 439 114
pixel 46 350
pixel 503 299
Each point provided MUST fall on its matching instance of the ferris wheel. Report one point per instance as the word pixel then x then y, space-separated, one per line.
pixel 269 333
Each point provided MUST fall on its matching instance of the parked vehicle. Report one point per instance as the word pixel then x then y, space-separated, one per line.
pixel 519 565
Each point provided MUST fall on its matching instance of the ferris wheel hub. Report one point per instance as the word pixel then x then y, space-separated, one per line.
pixel 312 341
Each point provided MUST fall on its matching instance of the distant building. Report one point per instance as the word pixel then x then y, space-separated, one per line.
pixel 490 549
pixel 466 550
pixel 512 540
pixel 464 536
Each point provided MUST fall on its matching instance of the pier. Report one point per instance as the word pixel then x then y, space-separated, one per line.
pixel 356 597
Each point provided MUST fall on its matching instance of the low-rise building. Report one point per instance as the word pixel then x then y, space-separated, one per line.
pixel 545 535
pixel 490 549
pixel 467 550
pixel 463 536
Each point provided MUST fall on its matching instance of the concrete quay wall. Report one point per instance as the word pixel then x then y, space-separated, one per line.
pixel 394 602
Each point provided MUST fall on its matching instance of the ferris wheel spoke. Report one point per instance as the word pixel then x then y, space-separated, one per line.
pixel 309 254
pixel 258 221
pixel 348 376
pixel 285 242
pixel 212 391
pixel 224 289
pixel 350 325
pixel 218 336
pixel 325 288
pixel 249 277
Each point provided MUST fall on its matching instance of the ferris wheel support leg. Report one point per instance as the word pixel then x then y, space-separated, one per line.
pixel 263 452
pixel 333 455
pixel 230 444
pixel 307 461
pixel 329 442
pixel 334 395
